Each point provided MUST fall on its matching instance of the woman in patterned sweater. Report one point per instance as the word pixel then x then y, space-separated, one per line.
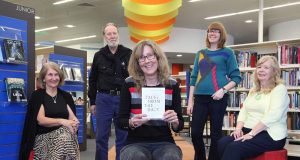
pixel 215 72
pixel 149 138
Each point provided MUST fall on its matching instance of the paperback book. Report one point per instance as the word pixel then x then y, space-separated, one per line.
pixel 68 74
pixel 15 90
pixel 1 54
pixel 77 74
pixel 14 50
pixel 77 97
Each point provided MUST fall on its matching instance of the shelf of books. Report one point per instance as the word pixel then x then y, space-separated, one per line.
pixel 182 77
pixel 16 48
pixel 288 55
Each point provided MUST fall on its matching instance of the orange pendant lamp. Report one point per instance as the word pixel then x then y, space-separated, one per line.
pixel 150 19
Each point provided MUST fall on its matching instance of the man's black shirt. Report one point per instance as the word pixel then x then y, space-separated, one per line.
pixel 108 71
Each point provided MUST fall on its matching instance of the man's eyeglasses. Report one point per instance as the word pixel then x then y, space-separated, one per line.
pixel 213 31
pixel 149 57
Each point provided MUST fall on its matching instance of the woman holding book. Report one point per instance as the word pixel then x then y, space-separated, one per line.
pixel 215 72
pixel 50 128
pixel 261 124
pixel 150 138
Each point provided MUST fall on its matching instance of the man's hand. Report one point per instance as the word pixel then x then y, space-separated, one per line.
pixel 93 109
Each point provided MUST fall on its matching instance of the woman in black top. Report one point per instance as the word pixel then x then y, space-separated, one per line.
pixel 51 125
pixel 150 138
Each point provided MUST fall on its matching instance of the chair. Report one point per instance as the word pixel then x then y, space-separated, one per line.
pixel 272 155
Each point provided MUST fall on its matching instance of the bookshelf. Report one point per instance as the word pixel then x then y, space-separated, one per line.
pixel 183 78
pixel 288 55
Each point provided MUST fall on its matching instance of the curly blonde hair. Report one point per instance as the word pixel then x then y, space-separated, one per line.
pixel 275 77
pixel 135 70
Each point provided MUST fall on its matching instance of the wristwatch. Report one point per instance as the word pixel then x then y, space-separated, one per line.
pixel 224 90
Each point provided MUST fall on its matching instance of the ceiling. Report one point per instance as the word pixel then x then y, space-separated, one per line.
pixel 90 15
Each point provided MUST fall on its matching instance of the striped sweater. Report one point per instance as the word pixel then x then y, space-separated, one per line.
pixel 154 130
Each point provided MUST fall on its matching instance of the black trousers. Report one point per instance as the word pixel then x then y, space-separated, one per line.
pixel 205 107
pixel 229 149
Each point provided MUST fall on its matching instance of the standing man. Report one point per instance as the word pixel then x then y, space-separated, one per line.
pixel 108 73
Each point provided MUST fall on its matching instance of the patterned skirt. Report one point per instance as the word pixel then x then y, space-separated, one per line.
pixel 59 144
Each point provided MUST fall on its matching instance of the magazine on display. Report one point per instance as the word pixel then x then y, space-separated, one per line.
pixel 1 54
pixel 15 88
pixel 68 74
pixel 77 74
pixel 77 97
pixel 14 50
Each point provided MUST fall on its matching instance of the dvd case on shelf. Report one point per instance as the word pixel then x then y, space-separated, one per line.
pixel 15 88
pixel 77 97
pixel 77 74
pixel 14 50
pixel 68 74
pixel 1 54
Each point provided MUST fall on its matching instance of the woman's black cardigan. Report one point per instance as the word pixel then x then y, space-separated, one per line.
pixel 30 124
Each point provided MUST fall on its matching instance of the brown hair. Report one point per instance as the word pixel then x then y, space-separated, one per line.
pixel 44 71
pixel 223 34
pixel 275 77
pixel 108 24
pixel 135 70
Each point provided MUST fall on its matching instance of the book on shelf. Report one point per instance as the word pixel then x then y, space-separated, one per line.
pixel 293 121
pixel 14 50
pixel 15 88
pixel 288 54
pixel 246 58
pixel 1 54
pixel 77 74
pixel 68 74
pixel 77 97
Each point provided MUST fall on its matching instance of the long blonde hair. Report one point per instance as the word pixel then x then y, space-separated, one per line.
pixel 275 77
pixel 135 70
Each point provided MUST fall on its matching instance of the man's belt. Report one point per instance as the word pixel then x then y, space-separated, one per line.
pixel 110 92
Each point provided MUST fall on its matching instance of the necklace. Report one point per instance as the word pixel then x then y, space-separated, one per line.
pixel 258 96
pixel 54 98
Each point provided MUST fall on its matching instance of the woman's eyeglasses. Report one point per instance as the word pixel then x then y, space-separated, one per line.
pixel 149 57
pixel 213 31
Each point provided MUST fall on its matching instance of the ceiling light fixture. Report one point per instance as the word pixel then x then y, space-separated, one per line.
pixel 250 11
pixel 44 47
pixel 75 39
pixel 150 19
pixel 194 0
pixel 69 26
pixel 249 21
pixel 37 17
pixel 61 2
pixel 46 29
pixel 179 55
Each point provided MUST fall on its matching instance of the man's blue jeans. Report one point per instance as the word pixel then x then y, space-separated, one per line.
pixel 107 108
pixel 151 151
